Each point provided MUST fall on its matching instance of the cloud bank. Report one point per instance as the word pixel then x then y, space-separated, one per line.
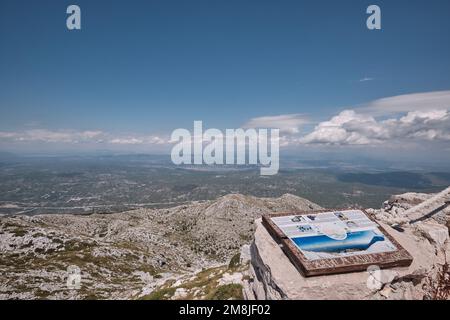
pixel 78 137
pixel 412 118
pixel 408 102
pixel 287 123
pixel 352 128
pixel 405 119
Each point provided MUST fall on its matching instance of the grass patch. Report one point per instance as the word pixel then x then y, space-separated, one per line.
pixel 204 286
pixel 14 228
pixel 161 294
pixel 19 232
pixel 235 261
pixel 228 291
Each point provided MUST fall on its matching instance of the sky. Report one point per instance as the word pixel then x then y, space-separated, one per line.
pixel 137 70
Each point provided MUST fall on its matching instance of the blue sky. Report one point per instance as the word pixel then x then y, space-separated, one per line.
pixel 145 68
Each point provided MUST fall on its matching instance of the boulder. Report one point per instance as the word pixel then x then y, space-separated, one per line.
pixel 233 278
pixel 245 254
pixel 180 293
pixel 433 231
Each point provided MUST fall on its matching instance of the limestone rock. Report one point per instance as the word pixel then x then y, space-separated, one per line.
pixel 245 254
pixel 273 276
pixel 395 210
pixel 142 248
pixel 180 293
pixel 234 278
pixel 435 232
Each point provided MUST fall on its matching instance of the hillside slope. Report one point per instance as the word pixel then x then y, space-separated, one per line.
pixel 122 255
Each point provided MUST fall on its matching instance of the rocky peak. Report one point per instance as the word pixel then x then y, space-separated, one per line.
pixel 143 247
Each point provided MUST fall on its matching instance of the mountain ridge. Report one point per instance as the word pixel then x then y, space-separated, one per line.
pixel 141 248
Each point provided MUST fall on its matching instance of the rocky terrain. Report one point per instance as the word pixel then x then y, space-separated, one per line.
pixel 205 250
pixel 272 276
pixel 129 254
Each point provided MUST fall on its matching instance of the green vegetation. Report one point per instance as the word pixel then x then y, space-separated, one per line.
pixel 161 294
pixel 389 179
pixel 48 183
pixel 205 285
pixel 228 291
pixel 234 262
pixel 16 229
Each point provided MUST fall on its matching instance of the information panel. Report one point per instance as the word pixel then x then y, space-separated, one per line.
pixel 335 241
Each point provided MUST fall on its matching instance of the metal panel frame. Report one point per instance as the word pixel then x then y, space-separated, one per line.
pixel 398 258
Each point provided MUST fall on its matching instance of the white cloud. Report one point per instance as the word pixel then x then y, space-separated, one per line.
pixel 287 123
pixel 408 102
pixel 8 135
pixel 366 79
pixel 139 140
pixel 73 137
pixel 411 117
pixel 402 120
pixel 352 128
pixel 44 135
pixel 157 140
pixel 348 127
pixel 126 141
pixel 91 134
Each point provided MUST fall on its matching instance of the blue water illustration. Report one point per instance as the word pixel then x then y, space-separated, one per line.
pixel 360 240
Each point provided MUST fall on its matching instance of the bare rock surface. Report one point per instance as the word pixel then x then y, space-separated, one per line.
pixel 273 276
pixel 129 254
pixel 204 250
pixel 397 208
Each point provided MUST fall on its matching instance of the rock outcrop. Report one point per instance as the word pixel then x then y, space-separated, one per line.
pixel 129 254
pixel 203 250
pixel 400 208
pixel 273 276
